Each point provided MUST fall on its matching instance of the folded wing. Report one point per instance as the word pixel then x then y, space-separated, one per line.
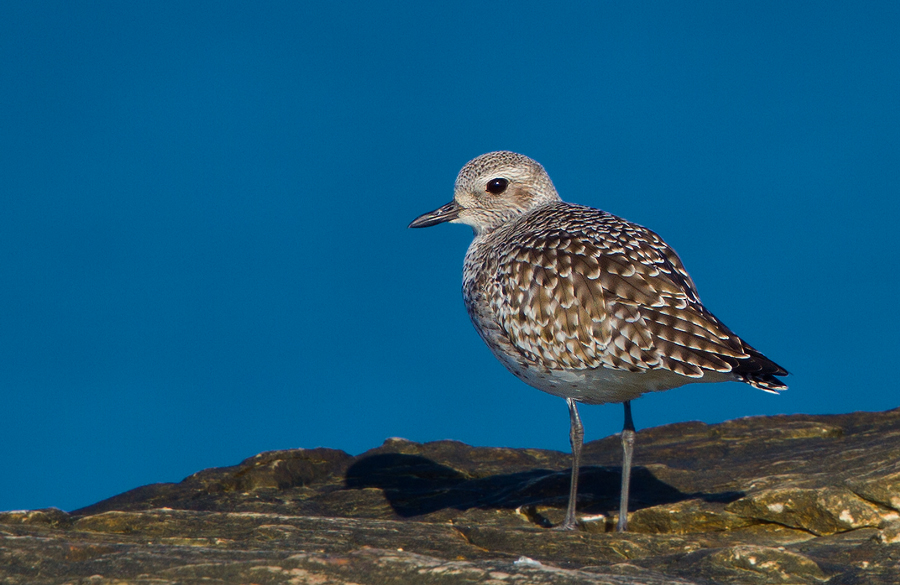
pixel 608 293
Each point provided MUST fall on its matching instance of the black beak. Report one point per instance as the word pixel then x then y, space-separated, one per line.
pixel 440 215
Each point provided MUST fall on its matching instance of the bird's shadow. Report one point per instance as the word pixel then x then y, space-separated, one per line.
pixel 415 485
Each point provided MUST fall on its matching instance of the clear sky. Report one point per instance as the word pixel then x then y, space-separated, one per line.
pixel 203 243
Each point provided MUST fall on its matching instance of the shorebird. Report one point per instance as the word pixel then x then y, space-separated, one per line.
pixel 582 304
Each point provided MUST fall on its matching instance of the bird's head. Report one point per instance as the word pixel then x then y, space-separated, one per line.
pixel 491 190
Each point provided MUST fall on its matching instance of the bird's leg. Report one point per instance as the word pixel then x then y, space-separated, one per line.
pixel 628 450
pixel 576 437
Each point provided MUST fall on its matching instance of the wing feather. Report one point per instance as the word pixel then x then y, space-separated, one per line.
pixel 608 293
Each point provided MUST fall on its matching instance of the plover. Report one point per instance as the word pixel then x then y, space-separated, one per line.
pixel 582 304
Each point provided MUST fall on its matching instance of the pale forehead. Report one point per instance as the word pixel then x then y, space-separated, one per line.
pixel 505 164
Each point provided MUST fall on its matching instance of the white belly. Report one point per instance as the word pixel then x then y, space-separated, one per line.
pixel 602 385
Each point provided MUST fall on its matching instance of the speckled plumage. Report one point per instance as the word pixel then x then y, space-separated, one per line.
pixel 567 288
pixel 580 303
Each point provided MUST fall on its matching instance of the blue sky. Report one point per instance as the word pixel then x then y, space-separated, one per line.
pixel 203 243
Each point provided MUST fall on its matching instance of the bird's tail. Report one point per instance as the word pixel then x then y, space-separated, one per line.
pixel 760 372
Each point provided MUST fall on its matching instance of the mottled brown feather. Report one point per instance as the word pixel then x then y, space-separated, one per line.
pixel 576 288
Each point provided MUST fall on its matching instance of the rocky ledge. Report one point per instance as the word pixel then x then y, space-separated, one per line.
pixel 785 499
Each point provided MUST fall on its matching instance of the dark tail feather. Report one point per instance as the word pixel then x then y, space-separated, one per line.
pixel 759 371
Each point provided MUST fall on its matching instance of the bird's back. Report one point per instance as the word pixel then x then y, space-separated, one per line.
pixel 571 292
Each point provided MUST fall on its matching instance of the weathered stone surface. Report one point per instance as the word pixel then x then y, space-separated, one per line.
pixel 689 516
pixel 798 499
pixel 765 564
pixel 890 533
pixel 821 511
pixel 884 489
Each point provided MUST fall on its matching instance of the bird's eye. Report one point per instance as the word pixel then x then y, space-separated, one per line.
pixel 497 186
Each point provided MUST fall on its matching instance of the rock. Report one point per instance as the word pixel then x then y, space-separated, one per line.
pixel 884 489
pixel 786 499
pixel 821 511
pixel 49 517
pixel 765 565
pixel 689 516
pixel 890 534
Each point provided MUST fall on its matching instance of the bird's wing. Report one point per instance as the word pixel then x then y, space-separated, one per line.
pixel 607 293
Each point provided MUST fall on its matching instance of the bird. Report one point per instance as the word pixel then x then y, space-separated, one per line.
pixel 584 305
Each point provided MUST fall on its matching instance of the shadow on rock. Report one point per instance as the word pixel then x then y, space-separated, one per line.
pixel 415 485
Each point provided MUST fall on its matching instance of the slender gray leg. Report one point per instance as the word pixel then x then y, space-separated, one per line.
pixel 576 437
pixel 628 450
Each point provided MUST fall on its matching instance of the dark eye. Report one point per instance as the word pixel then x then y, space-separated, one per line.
pixel 497 186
